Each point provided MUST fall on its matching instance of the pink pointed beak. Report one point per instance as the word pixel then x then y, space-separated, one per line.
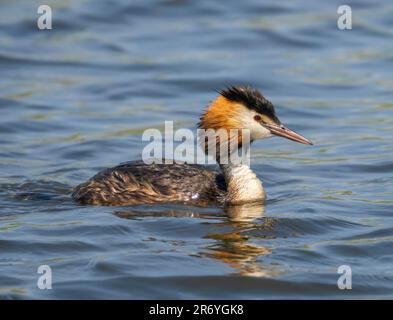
pixel 282 131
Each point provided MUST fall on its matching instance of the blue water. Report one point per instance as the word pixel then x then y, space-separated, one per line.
pixel 76 99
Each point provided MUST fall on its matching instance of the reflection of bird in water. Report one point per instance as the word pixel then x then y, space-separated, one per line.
pixel 233 247
pixel 136 182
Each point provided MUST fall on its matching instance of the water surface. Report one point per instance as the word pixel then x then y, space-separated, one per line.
pixel 76 99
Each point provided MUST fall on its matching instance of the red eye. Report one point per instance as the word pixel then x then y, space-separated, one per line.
pixel 257 118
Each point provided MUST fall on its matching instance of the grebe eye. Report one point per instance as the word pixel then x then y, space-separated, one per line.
pixel 257 118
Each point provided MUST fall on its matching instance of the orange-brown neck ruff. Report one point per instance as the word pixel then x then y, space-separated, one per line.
pixel 223 114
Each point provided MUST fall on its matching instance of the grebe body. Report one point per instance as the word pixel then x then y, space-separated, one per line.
pixel 135 182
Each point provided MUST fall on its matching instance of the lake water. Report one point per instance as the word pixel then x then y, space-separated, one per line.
pixel 76 99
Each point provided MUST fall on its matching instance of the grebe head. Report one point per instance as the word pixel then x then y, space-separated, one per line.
pixel 246 108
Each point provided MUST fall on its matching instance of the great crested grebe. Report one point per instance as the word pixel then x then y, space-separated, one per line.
pixel 136 182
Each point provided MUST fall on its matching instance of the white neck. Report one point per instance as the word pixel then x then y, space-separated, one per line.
pixel 242 183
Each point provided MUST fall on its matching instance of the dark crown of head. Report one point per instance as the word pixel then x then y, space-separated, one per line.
pixel 252 99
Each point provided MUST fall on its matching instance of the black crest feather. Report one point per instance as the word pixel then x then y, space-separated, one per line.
pixel 252 99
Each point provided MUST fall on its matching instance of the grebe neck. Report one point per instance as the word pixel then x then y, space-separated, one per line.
pixel 242 183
